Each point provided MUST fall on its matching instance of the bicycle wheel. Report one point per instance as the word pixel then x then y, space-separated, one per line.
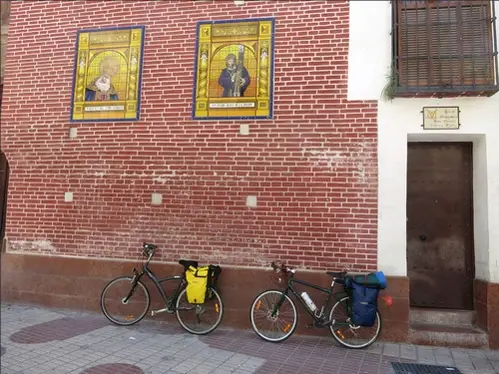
pixel 199 319
pixel 120 312
pixel 275 328
pixel 342 328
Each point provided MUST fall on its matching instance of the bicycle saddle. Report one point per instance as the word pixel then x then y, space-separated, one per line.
pixel 187 263
pixel 335 274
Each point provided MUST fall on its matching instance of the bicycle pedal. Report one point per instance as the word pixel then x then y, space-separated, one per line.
pixel 154 312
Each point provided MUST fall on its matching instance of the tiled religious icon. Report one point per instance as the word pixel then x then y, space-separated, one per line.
pixel 107 74
pixel 234 69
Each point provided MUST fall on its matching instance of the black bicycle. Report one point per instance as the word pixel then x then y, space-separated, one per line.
pixel 274 315
pixel 126 300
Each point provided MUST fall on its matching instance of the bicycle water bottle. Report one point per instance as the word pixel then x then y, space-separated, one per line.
pixel 309 301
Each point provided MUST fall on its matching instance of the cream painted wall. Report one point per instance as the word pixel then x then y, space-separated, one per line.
pixel 399 121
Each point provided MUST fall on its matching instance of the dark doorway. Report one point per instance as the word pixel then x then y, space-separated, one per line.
pixel 4 182
pixel 440 256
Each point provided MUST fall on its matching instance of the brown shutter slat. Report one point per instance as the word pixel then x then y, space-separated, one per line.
pixel 445 56
pixel 414 47
pixel 477 62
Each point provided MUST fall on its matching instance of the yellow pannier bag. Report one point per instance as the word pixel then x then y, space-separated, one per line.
pixel 197 281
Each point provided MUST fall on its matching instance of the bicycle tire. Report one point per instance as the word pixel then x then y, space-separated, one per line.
pixel 339 338
pixel 109 315
pixel 256 329
pixel 217 322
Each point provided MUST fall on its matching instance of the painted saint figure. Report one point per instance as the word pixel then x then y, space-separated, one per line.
pixel 101 88
pixel 234 78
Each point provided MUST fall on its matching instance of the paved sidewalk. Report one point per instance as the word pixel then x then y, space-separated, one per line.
pixel 39 340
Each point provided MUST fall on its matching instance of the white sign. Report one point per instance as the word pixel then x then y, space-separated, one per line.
pixel 104 108
pixel 232 105
pixel 435 118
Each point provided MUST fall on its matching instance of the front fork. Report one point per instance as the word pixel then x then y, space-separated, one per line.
pixel 279 303
pixel 135 280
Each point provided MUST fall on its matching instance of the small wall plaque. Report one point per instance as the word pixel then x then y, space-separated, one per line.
pixel 441 118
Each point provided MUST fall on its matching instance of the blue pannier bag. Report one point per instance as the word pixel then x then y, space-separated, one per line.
pixel 363 291
pixel 381 279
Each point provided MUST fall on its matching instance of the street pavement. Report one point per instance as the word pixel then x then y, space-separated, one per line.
pixel 38 340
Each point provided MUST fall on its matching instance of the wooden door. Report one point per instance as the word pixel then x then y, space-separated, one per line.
pixel 440 258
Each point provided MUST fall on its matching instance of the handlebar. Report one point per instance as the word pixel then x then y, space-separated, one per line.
pixel 282 268
pixel 148 251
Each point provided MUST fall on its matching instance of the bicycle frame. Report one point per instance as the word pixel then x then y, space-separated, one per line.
pixel 157 282
pixel 329 292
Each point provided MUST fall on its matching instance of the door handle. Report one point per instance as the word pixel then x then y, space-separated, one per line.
pixel 422 237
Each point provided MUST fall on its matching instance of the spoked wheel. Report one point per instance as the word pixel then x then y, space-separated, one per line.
pixel 273 327
pixel 120 310
pixel 200 319
pixel 348 334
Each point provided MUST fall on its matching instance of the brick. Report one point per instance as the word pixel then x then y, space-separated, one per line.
pixel 313 167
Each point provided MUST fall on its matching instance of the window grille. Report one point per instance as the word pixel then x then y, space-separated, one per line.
pixel 445 46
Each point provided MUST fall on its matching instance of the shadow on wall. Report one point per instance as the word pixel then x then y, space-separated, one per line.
pixel 4 30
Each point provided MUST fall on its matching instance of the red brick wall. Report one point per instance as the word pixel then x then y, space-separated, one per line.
pixel 313 167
